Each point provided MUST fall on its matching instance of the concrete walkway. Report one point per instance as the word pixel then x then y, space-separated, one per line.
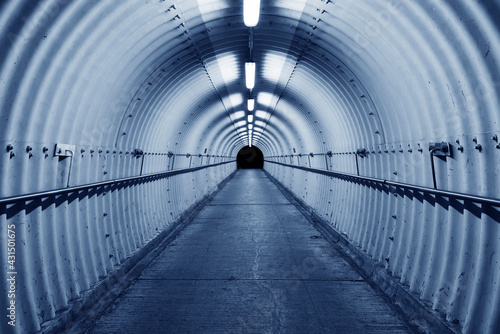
pixel 249 263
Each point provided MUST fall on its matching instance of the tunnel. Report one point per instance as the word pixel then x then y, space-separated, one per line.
pixel 378 122
pixel 250 157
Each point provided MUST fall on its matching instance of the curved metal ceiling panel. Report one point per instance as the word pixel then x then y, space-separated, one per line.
pixel 385 77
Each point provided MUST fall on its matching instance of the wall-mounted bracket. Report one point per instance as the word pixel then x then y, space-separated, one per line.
pixel 442 149
pixel 64 150
pixel 362 152
pixel 138 153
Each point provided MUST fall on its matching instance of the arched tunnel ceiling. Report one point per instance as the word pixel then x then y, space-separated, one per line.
pixel 169 75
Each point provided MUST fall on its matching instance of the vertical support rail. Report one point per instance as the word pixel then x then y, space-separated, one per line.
pixel 142 164
pixel 433 171
pixel 357 165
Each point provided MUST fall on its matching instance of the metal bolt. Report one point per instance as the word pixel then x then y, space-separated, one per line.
pixel 395 173
pixel 82 151
pixel 10 148
pixel 30 155
pixel 457 141
pixel 29 148
pixel 100 151
pixel 45 149
pixel 394 216
pixel 474 140
pixel 91 151
pixel 495 138
pixel 478 147
pixel 12 154
pixel 460 148
pixel 498 146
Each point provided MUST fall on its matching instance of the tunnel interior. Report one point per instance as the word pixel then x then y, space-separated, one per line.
pixel 250 157
pixel 119 119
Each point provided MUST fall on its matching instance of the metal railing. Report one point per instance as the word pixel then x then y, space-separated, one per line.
pixel 48 193
pixel 444 193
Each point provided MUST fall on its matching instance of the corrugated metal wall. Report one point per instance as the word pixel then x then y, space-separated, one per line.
pixel 65 244
pixel 444 251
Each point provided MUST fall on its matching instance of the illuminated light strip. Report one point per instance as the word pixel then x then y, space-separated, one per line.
pixel 251 104
pixel 251 12
pixel 250 74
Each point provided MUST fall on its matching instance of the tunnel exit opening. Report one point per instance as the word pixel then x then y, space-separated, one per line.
pixel 250 157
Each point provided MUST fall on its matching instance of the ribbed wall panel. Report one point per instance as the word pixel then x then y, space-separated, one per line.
pixel 443 252
pixel 68 246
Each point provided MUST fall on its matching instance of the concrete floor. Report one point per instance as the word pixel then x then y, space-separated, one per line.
pixel 249 263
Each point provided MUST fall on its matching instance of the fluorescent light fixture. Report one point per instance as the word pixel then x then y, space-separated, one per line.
pixel 251 12
pixel 250 118
pixel 250 126
pixel 251 104
pixel 250 74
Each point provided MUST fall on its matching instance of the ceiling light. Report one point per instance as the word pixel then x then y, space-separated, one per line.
pixel 250 74
pixel 251 12
pixel 251 104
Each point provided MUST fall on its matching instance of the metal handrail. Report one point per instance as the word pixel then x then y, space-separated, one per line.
pixel 48 193
pixel 445 193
